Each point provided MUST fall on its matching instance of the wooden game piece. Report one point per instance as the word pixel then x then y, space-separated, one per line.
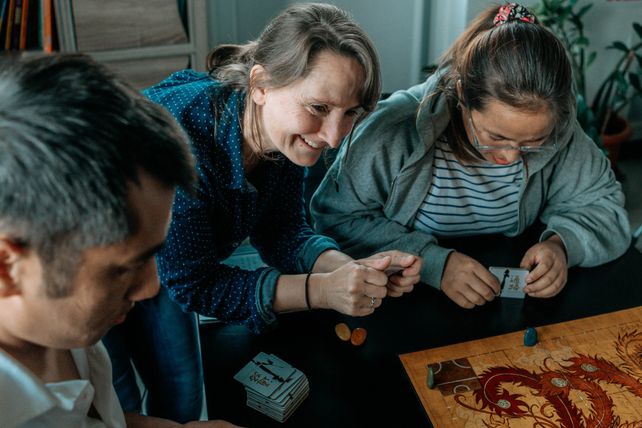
pixel 430 378
pixel 358 336
pixel 343 331
pixel 530 337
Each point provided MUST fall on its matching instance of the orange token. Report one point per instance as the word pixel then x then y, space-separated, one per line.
pixel 358 336
pixel 343 331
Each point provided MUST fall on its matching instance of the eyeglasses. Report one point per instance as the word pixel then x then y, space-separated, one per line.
pixel 522 149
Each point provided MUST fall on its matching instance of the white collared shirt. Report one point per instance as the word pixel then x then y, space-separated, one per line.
pixel 25 401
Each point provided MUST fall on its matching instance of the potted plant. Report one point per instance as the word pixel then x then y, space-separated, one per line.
pixel 599 118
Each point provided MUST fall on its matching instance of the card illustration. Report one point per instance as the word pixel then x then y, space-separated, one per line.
pixel 511 281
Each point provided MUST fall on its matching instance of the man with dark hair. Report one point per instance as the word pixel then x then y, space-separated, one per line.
pixel 88 170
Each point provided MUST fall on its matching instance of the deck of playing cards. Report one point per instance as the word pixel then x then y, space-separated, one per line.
pixel 273 387
pixel 511 281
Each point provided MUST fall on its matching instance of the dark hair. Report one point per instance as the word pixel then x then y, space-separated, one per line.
pixel 71 138
pixel 287 49
pixel 521 64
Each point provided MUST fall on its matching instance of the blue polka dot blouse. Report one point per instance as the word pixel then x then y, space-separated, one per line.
pixel 228 207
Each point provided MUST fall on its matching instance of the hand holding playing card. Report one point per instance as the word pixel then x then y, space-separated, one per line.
pixel 355 289
pixel 548 268
pixel 467 282
pixel 403 272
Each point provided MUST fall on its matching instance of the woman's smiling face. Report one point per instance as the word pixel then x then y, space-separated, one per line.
pixel 301 119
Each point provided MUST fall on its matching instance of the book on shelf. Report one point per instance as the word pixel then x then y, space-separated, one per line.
pixel 17 22
pixel 3 11
pixel 9 23
pixel 46 26
pixel 28 25
pixel 22 40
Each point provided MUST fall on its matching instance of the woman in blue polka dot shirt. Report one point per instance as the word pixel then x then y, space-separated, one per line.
pixel 266 110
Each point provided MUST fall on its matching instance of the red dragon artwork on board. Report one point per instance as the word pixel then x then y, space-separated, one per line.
pixel 569 393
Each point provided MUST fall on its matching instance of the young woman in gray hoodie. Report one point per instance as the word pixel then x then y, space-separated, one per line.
pixel 488 144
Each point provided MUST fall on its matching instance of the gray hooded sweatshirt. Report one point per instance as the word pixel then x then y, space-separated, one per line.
pixel 370 196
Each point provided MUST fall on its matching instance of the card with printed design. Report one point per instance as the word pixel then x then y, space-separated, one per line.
pixel 288 386
pixel 273 365
pixel 511 281
pixel 273 386
pixel 251 376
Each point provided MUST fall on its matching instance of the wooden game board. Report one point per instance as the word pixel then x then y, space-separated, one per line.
pixel 582 373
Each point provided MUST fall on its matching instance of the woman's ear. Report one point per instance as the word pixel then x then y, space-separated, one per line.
pixel 10 254
pixel 258 92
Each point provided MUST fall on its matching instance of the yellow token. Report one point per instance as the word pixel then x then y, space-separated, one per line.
pixel 343 331
pixel 358 336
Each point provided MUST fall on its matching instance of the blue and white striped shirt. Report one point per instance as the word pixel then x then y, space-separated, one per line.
pixel 469 199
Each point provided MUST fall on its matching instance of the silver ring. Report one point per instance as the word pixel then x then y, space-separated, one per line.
pixel 373 300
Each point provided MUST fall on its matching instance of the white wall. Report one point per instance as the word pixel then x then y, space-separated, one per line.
pixel 398 30
pixel 237 21
pixel 447 19
pixel 409 34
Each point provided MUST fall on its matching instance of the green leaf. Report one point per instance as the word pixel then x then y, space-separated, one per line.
pixel 639 58
pixel 591 58
pixel 635 81
pixel 575 49
pixel 619 46
pixel 581 102
pixel 618 98
pixel 621 87
pixel 638 29
pixel 587 120
pixel 582 41
pixel 584 9
pixel 619 77
pixel 565 13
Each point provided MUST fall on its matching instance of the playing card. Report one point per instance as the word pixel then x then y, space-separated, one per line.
pixel 273 387
pixel 265 410
pixel 288 386
pixel 281 398
pixel 511 281
pixel 257 378
pixel 273 365
pixel 272 409
pixel 393 270
pixel 296 402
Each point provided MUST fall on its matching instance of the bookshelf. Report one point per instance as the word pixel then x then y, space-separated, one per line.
pixel 143 42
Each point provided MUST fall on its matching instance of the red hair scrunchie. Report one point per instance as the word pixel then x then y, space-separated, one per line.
pixel 511 12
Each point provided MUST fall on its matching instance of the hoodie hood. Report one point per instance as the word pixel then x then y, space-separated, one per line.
pixel 433 118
